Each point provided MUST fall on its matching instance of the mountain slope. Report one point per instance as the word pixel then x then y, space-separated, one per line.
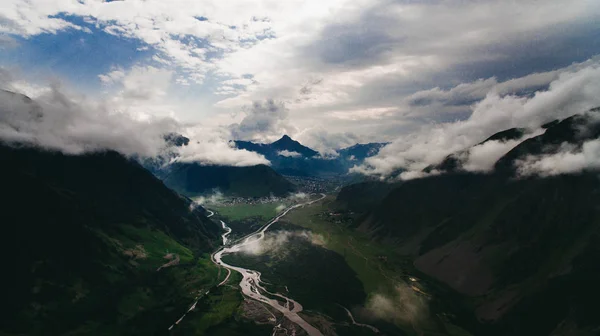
pixel 288 144
pixel 192 178
pixel 272 150
pixel 289 157
pixel 521 249
pixel 85 235
pixel 252 181
pixel 359 152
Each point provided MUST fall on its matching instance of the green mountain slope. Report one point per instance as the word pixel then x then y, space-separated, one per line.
pixel 85 235
pixel 253 181
pixel 521 251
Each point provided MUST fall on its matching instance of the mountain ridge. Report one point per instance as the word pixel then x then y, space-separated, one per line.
pixel 508 243
pixel 290 157
pixel 252 181
pixel 86 234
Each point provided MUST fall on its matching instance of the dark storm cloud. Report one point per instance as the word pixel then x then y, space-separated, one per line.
pixel 262 120
pixel 352 45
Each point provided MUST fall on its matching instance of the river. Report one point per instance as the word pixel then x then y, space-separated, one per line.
pixel 251 284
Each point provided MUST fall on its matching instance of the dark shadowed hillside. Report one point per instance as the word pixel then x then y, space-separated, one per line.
pixel 85 236
pixel 520 250
pixel 363 196
pixel 359 152
pixel 252 181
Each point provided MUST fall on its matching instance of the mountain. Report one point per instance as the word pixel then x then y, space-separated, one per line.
pixel 83 237
pixel 177 140
pixel 521 252
pixel 274 149
pixel 363 196
pixel 192 178
pixel 360 152
pixel 287 144
pixel 452 162
pixel 289 157
pixel 253 181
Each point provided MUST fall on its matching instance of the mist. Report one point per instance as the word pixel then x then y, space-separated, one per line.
pixel 567 160
pixel 274 242
pixel 216 197
pixel 402 306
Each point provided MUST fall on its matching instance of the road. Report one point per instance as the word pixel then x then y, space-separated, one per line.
pixel 251 280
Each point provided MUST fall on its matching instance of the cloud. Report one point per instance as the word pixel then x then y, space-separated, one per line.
pixel 141 90
pixel 369 113
pixel 481 158
pixel 7 42
pixel 573 91
pixel 215 198
pixel 64 121
pixel 263 121
pixel 326 142
pixel 59 121
pixel 568 160
pixel 367 67
pixel 274 241
pixel 213 150
pixel 403 306
pixel 298 196
pixel 287 153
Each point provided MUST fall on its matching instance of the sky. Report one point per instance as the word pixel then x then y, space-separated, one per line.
pixel 431 77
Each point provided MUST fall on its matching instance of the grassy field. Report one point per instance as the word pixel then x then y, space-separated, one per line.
pixel 377 266
pixel 264 211
pixel 364 257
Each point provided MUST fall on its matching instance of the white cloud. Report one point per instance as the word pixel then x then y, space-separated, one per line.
pixel 274 241
pixel 61 120
pixel 481 158
pixel 298 196
pixel 571 93
pixel 215 198
pixel 369 113
pixel 288 153
pixel 112 77
pixel 404 305
pixel 567 160
pixel 354 66
pixel 325 142
pixel 75 125
pixel 217 151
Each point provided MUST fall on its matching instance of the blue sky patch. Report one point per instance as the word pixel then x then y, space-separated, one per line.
pixel 76 55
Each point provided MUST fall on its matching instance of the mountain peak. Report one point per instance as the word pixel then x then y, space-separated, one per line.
pixel 286 138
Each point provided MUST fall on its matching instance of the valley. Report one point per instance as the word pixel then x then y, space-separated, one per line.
pixel 300 168
pixel 350 270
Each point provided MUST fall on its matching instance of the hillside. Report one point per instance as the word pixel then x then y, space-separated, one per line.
pixel 84 236
pixel 359 152
pixel 253 181
pixel 521 251
pixel 190 178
